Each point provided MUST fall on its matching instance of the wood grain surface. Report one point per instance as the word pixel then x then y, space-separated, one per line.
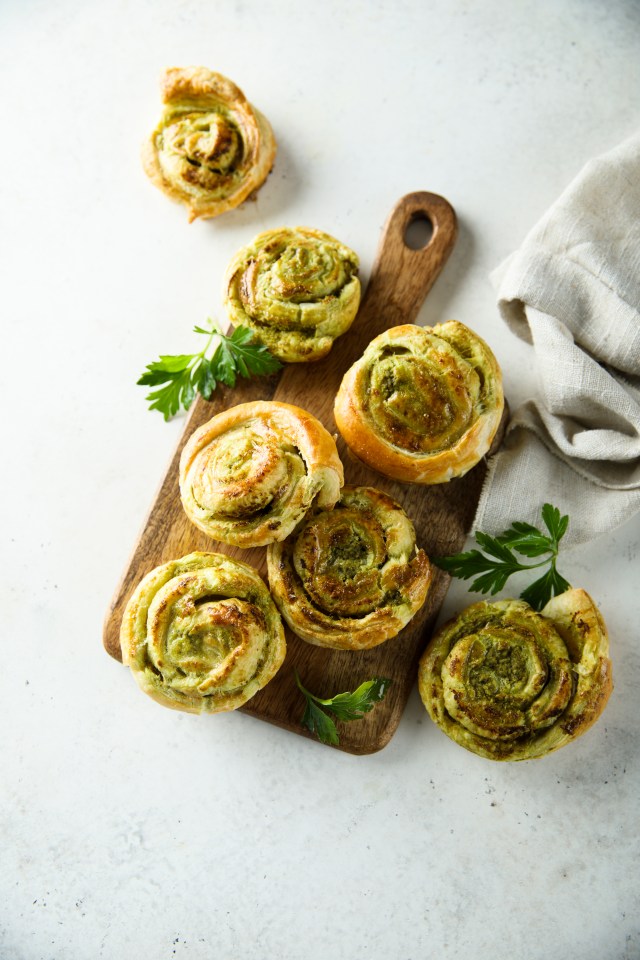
pixel 400 280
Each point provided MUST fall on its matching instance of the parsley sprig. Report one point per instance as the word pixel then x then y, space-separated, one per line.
pixel 344 706
pixel 223 358
pixel 493 568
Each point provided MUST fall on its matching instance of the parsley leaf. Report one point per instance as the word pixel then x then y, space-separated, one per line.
pixel 319 723
pixel 548 585
pixel 223 359
pixel 344 706
pixel 493 568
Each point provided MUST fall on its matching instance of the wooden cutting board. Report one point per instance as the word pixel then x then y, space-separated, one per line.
pixel 400 280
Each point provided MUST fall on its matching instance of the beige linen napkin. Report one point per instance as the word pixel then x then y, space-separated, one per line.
pixel 573 292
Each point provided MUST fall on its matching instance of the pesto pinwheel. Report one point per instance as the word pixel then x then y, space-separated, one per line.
pixel 422 405
pixel 508 683
pixel 211 148
pixel 297 289
pixel 202 634
pixel 252 472
pixel 351 577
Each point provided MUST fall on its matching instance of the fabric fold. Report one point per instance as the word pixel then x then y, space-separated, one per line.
pixel 572 291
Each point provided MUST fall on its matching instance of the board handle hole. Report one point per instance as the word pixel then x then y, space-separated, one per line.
pixel 419 232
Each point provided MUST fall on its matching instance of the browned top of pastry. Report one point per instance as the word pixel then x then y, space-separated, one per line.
pixel 250 474
pixel 296 288
pixel 350 577
pixel 201 634
pixel 211 148
pixel 422 405
pixel 508 683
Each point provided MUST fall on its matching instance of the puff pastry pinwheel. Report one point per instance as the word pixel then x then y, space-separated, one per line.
pixel 211 148
pixel 250 474
pixel 202 634
pixel 350 578
pixel 422 405
pixel 508 683
pixel 297 289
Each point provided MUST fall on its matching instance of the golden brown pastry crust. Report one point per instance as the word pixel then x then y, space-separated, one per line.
pixel 296 288
pixel 508 683
pixel 202 634
pixel 422 405
pixel 350 578
pixel 252 472
pixel 211 148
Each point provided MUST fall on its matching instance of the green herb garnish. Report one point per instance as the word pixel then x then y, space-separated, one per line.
pixel 493 568
pixel 344 706
pixel 229 356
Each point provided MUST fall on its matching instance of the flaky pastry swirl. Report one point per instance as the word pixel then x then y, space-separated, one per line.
pixel 423 404
pixel 211 148
pixel 350 578
pixel 297 289
pixel 250 474
pixel 508 683
pixel 202 634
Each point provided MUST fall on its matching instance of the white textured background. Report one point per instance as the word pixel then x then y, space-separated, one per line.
pixel 129 831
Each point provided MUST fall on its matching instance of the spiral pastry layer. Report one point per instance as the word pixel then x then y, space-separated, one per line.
pixel 422 405
pixel 250 474
pixel 350 578
pixel 297 289
pixel 211 148
pixel 202 634
pixel 508 683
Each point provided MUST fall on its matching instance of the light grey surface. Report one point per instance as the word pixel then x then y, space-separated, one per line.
pixel 129 830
